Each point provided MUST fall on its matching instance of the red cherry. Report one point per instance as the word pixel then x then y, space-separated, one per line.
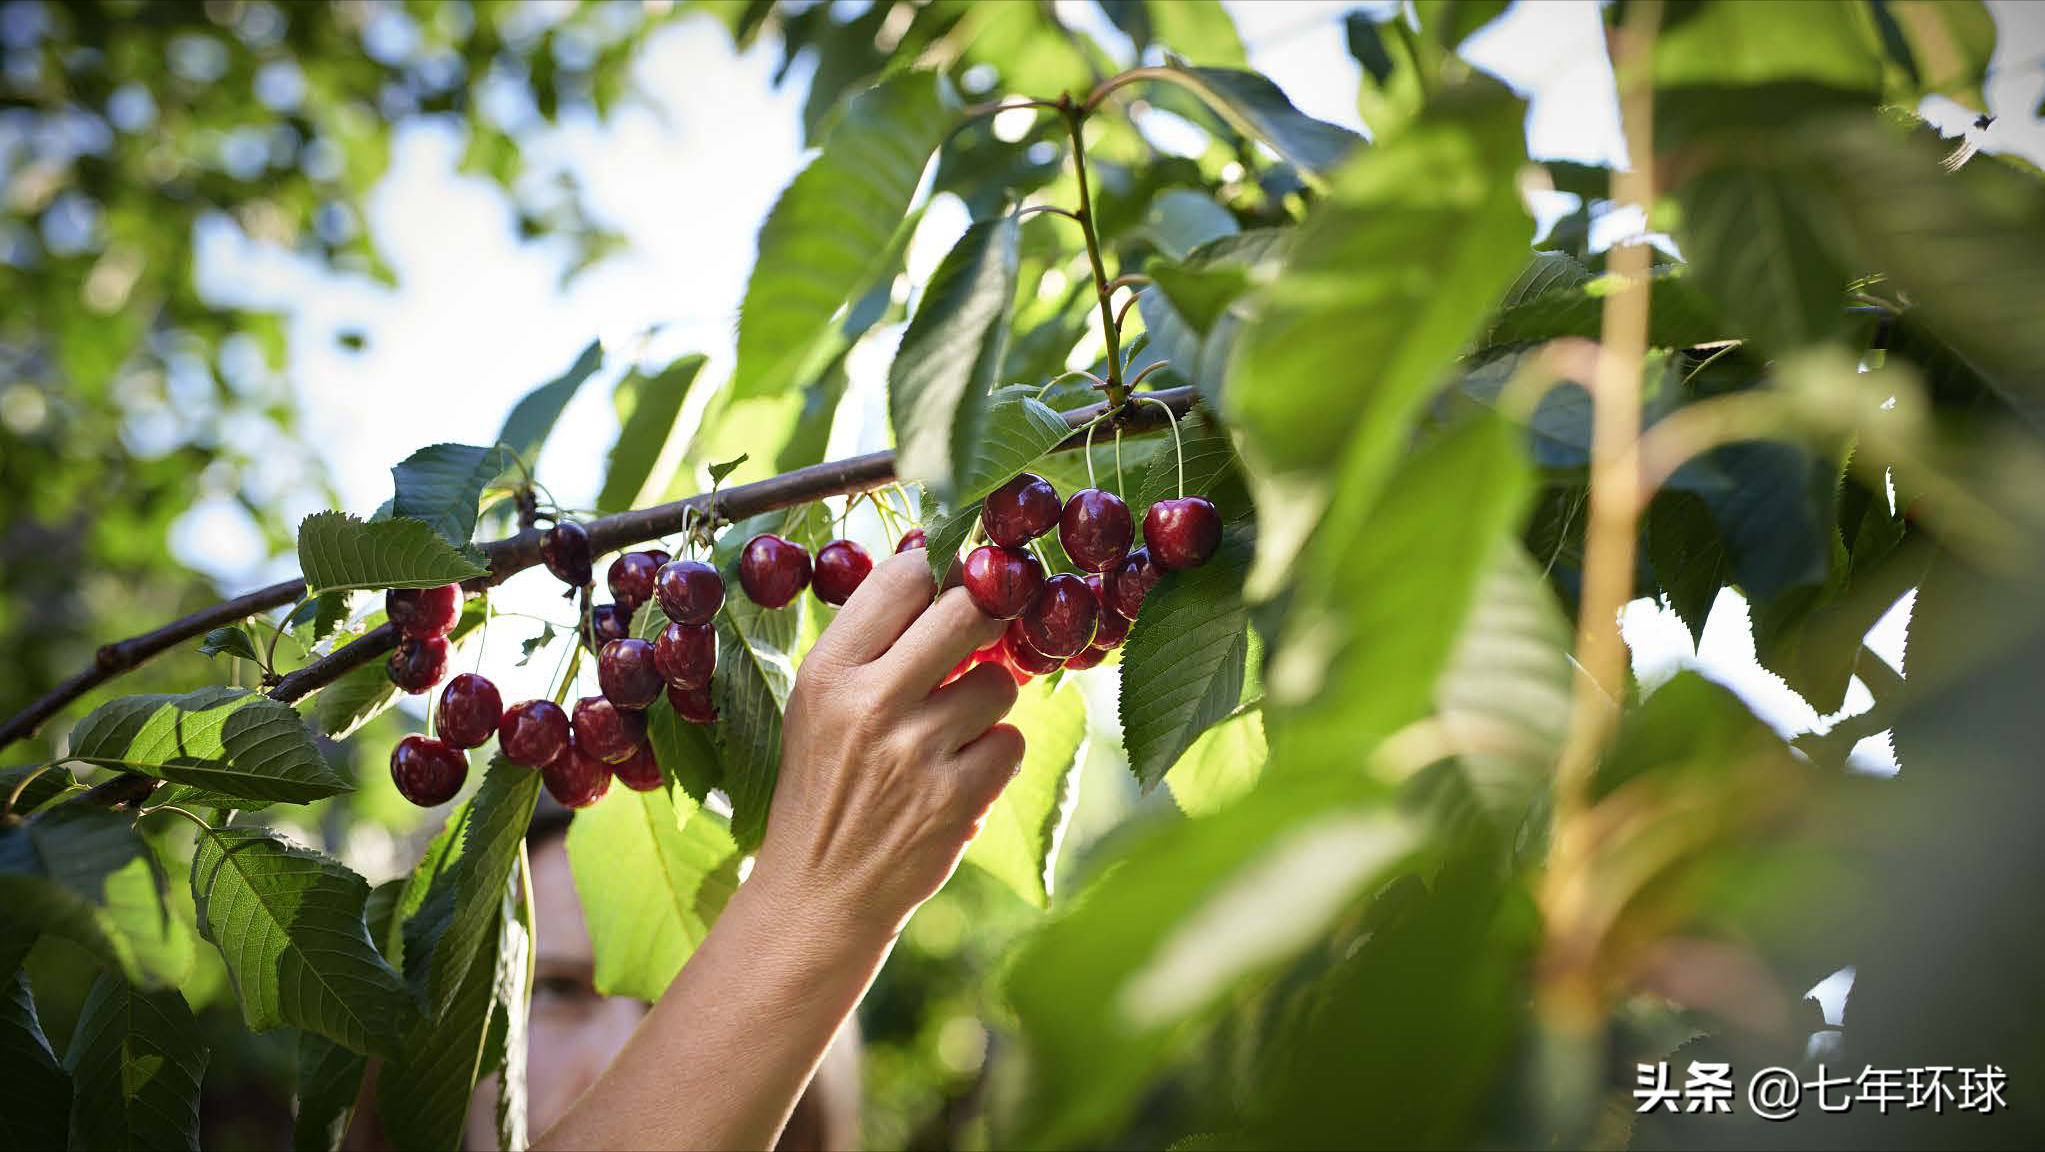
pixel 423 613
pixel 1002 581
pixel 660 558
pixel 469 710
pixel 1086 659
pixel 1182 533
pixel 960 669
pixel 690 591
pixel 576 779
pixel 427 772
pixel 1095 529
pixel 565 550
pixel 1061 623
pixel 416 665
pixel 1015 646
pixel 772 570
pixel 693 704
pixel 1020 510
pixel 606 731
pixel 631 580
pixel 913 538
pixel 640 771
pixel 686 654
pixel 533 732
pixel 1131 581
pixel 625 671
pixel 841 567
pixel 1112 627
pixel 607 622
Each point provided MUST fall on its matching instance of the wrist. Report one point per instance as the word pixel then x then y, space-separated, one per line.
pixel 786 891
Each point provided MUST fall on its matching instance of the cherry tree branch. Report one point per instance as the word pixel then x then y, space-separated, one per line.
pixel 507 557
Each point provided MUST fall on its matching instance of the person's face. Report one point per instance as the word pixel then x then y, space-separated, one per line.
pixel 574 1033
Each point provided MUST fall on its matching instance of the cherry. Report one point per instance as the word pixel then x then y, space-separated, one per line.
pixel 686 655
pixel 1002 581
pixel 693 704
pixel 1020 510
pixel 1112 628
pixel 576 778
pixel 1086 659
pixel 640 771
pixel 772 570
pixel 625 671
pixel 1182 533
pixel 1061 623
pixel 469 709
pixel 1095 529
pixel 660 558
pixel 427 772
pixel 913 538
pixel 631 580
pixel 607 622
pixel 606 731
pixel 960 669
pixel 423 613
pixel 1131 581
pixel 416 665
pixel 841 567
pixel 1021 657
pixel 565 549
pixel 690 591
pixel 533 733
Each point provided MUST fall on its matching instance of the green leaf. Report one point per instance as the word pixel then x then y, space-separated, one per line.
pixel 226 740
pixel 653 874
pixel 457 919
pixel 34 785
pixel 338 551
pixel 329 1081
pixel 719 471
pixel 686 752
pixel 1688 559
pixel 1199 30
pixel 643 438
pixel 506 1048
pixel 1018 843
pixel 1182 666
pixel 946 365
pixel 1180 220
pixel 442 484
pixel 830 228
pixel 1727 44
pixel 1184 917
pixel 1198 307
pixel 1947 47
pixel 422 1095
pixel 1555 296
pixel 1386 283
pixel 751 689
pixel 526 648
pixel 135 1062
pixel 1221 767
pixel 233 639
pixel 289 922
pixel 1254 106
pixel 81 872
pixel 533 417
pixel 38 1089
pixel 1764 250
pixel 1772 503
pixel 362 694
pixel 1018 430
pixel 325 613
pixel 1211 470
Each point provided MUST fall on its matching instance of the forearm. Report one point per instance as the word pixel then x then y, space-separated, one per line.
pixel 723 1056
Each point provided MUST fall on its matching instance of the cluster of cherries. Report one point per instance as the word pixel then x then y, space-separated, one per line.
pixel 1067 620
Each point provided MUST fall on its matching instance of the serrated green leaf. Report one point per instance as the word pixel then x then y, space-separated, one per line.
pixel 1688 559
pixel 1018 430
pixel 1018 843
pixel 1555 296
pixel 830 228
pixel 1180 220
pixel 751 689
pixel 82 872
pixel 939 382
pixel 643 438
pixel 1764 251
pixel 324 612
pixel 329 1081
pixel 1211 470
pixel 532 418
pixel 422 1096
pixel 1772 504
pixel 526 648
pixel 38 1109
pixel 289 922
pixel 1222 765
pixel 338 551
pixel 1199 30
pixel 456 920
pixel 362 694
pixel 1182 666
pixel 34 785
pixel 135 1062
pixel 232 639
pixel 682 865
pixel 1254 106
pixel 505 1049
pixel 1197 310
pixel 442 484
pixel 719 471
pixel 226 740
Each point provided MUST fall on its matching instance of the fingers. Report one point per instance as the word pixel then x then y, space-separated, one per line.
pixel 987 765
pixel 964 709
pixel 935 643
pixel 886 603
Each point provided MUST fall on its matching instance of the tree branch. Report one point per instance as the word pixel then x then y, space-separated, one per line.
pixel 507 557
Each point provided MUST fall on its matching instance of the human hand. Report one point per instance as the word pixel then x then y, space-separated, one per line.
pixel 885 777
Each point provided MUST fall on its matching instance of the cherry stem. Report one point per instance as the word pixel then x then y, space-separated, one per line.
pixel 1178 446
pixel 1121 484
pixel 1074 120
pixel 1140 376
pixel 1054 381
pixel 996 107
pixel 192 816
pixel 1053 208
pixel 14 797
pixel 1088 451
pixel 1123 312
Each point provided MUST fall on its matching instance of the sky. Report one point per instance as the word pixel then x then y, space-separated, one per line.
pixel 687 173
